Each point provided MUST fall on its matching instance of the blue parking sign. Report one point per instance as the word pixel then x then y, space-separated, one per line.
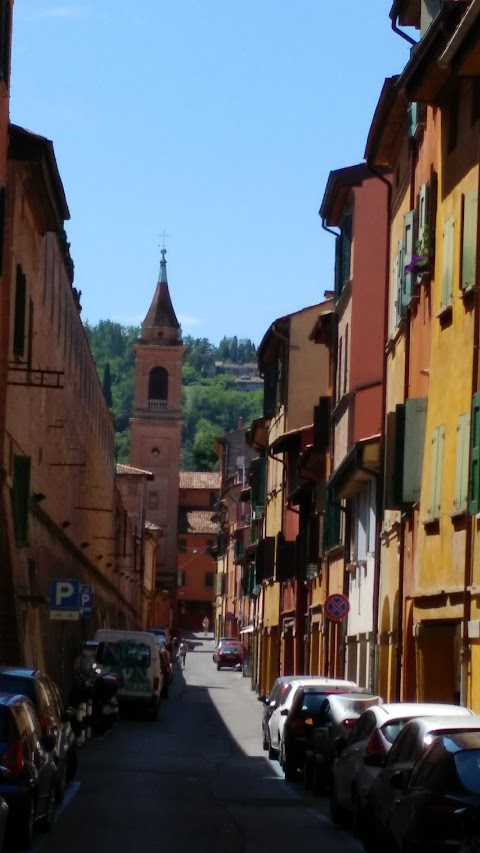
pixel 86 601
pixel 65 594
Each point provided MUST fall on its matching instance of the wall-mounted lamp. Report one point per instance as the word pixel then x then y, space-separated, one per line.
pixel 38 497
pixel 65 524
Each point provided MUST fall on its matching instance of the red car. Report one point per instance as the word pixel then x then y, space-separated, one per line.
pixel 229 654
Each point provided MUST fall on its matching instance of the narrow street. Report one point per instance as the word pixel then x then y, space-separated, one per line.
pixel 197 779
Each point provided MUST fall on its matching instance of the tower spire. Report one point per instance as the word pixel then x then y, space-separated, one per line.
pixel 162 277
pixel 161 320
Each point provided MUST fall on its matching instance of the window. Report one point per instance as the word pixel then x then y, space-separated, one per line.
pixel 460 499
pixel 181 578
pixel 400 270
pixel 404 747
pixel 20 312
pixel 182 546
pixel 20 499
pixel 153 500
pixel 158 384
pixel 408 252
pixel 339 370
pixel 343 250
pixel 469 239
pixel 5 35
pixel 435 498
pixel 345 363
pixel 363 728
pixel 209 579
pixel 474 498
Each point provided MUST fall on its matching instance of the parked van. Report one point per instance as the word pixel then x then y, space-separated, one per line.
pixel 135 656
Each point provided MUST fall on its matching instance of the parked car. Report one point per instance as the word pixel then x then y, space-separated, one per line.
pixel 296 716
pixel 270 702
pixel 230 654
pixel 439 807
pixel 388 790
pixel 54 718
pixel 373 734
pixel 337 717
pixel 221 642
pixel 28 772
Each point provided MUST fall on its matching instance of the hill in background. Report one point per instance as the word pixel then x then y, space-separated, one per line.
pixel 214 394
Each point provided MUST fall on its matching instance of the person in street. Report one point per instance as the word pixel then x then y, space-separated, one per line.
pixel 182 653
pixel 206 625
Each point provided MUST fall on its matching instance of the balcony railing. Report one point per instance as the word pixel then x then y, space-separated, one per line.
pixel 157 405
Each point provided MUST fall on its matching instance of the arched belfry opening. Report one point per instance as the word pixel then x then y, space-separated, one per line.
pixel 158 384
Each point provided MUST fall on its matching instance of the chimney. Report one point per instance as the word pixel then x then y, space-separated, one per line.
pixel 240 423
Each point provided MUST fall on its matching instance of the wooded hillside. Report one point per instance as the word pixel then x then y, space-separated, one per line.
pixel 211 404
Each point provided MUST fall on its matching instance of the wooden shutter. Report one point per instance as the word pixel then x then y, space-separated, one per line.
pixel 474 489
pixel 20 312
pixel 338 267
pixel 399 454
pixel 346 247
pixel 269 387
pixel 415 419
pixel 438 440
pixel 408 243
pixel 321 424
pixel 20 499
pixel 331 524
pixel 424 207
pixel 400 274
pixel 469 238
pixel 460 499
pixel 447 261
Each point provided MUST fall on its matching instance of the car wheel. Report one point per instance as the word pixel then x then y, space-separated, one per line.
pixel 265 741
pixel 337 812
pixel 61 781
pixel 47 821
pixel 308 774
pixel 218 667
pixel 289 768
pixel 272 752
pixel 22 832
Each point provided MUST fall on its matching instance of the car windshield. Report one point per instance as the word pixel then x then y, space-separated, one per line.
pixel 124 653
pixel 467 763
pixel 230 650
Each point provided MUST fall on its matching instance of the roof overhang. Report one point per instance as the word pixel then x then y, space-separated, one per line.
pixel 406 12
pixel 463 50
pixel 339 185
pixel 276 334
pixel 360 465
pixel 47 188
pixel 313 461
pixel 257 434
pixel 287 441
pixel 322 330
pixel 388 124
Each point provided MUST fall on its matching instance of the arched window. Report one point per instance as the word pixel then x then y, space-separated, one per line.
pixel 158 384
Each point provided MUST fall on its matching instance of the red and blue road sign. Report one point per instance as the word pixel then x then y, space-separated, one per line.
pixel 336 607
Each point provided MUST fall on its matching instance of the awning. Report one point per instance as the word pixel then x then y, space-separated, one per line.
pixel 248 630
pixel 360 465
pixel 288 439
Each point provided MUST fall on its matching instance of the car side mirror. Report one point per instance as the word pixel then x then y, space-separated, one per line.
pixel 262 698
pixel 374 760
pixel 400 779
pixel 49 742
pixel 340 743
pixel 284 713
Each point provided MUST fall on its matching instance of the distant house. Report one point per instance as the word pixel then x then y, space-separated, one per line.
pixel 246 375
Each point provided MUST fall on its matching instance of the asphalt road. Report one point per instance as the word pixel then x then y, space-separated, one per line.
pixel 195 780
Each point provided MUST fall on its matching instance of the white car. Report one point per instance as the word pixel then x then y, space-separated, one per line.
pixel 373 734
pixel 277 719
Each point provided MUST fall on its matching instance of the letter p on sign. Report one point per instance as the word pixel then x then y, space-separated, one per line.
pixel 64 593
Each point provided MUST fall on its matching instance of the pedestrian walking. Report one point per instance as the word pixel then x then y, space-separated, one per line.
pixel 206 625
pixel 182 653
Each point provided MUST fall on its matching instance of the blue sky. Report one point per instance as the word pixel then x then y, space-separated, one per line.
pixel 217 121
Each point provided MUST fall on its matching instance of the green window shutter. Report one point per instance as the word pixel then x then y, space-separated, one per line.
pixel 331 524
pixel 20 312
pixel 338 267
pixel 474 490
pixel 447 273
pixel 407 277
pixel 346 247
pixel 460 499
pixel 399 454
pixel 469 238
pixel 438 441
pixel 424 204
pixel 413 448
pixel 400 274
pixel 20 499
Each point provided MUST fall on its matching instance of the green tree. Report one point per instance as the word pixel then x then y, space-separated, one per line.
pixel 204 456
pixel 107 385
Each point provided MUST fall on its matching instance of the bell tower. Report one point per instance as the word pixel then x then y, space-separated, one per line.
pixel 156 425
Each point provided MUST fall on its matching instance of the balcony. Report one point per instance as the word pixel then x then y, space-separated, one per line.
pixel 157 405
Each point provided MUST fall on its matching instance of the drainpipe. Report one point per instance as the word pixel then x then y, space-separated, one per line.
pixel 380 479
pixel 401 33
pixel 469 542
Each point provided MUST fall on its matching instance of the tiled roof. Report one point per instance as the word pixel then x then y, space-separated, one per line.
pixel 196 521
pixel 200 479
pixel 136 472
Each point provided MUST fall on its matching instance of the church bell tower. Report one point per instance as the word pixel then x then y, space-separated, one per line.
pixel 156 425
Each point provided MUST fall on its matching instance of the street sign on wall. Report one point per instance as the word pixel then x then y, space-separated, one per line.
pixel 336 607
pixel 86 600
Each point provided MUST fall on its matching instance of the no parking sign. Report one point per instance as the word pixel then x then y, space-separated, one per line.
pixel 336 607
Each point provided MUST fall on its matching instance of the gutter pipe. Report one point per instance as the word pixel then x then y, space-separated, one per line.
pixel 399 32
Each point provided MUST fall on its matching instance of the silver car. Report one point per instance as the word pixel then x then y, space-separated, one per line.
pixel 373 734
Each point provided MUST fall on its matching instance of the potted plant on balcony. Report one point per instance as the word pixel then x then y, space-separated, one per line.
pixel 421 263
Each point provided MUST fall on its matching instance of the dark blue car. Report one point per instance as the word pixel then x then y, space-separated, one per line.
pixel 27 769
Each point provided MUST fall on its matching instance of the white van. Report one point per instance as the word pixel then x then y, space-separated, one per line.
pixel 134 655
